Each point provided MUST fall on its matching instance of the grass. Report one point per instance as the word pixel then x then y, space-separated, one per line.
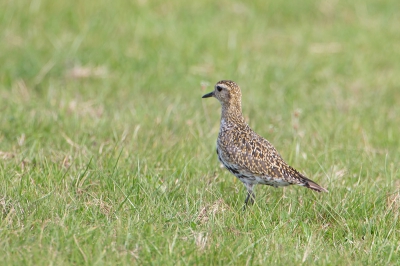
pixel 107 151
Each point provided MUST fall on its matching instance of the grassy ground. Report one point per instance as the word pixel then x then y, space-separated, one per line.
pixel 107 151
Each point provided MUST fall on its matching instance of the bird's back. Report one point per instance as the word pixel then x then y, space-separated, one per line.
pixel 254 159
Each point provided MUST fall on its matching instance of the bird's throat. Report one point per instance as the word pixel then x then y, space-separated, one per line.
pixel 232 114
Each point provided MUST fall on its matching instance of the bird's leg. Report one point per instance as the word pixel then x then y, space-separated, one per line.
pixel 250 198
pixel 250 195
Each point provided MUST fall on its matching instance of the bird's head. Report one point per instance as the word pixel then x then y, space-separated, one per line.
pixel 227 92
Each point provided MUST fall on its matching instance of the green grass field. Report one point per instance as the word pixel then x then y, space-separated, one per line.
pixel 107 151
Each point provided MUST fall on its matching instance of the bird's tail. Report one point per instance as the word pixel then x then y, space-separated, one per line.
pixel 312 185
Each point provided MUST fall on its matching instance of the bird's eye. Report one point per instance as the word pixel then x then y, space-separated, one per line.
pixel 219 88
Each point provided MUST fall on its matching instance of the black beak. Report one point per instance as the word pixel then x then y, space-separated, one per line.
pixel 211 94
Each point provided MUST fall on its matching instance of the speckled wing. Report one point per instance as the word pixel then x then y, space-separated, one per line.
pixel 257 156
pixel 253 154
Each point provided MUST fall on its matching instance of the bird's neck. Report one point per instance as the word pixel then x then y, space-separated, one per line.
pixel 232 114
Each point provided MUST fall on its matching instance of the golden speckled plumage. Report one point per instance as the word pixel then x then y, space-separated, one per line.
pixel 244 153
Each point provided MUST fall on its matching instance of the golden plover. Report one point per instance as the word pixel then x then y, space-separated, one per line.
pixel 248 156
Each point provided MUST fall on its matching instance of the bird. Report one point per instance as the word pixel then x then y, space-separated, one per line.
pixel 247 155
